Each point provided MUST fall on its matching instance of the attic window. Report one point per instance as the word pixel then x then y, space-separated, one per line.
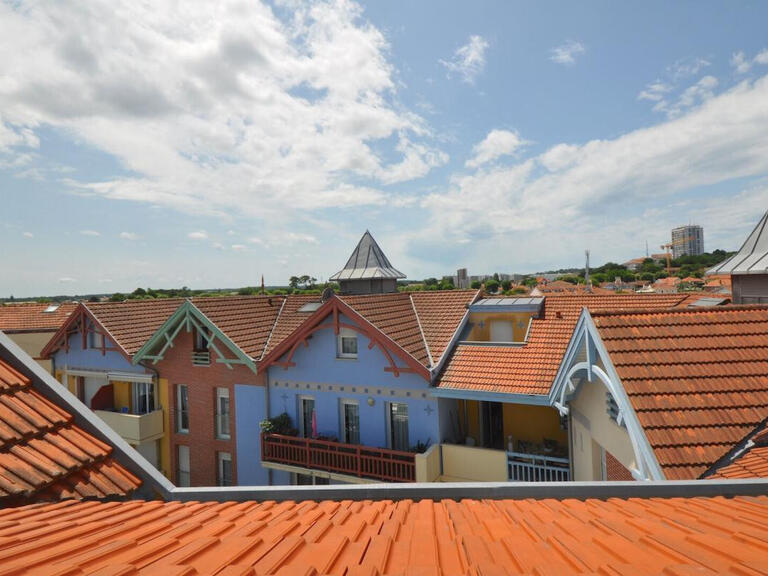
pixel 347 344
pixel 51 308
pixel 310 306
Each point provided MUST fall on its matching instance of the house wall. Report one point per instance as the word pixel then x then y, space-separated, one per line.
pixel 92 359
pixel 749 288
pixel 176 369
pixel 251 406
pixel 320 374
pixel 591 424
pixel 32 343
pixel 480 324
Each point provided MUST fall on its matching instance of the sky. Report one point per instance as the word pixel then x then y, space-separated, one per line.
pixel 206 144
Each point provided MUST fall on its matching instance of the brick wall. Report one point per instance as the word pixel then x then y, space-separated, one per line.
pixel 202 382
pixel 615 470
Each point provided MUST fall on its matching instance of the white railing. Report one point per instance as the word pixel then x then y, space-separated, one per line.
pixel 525 467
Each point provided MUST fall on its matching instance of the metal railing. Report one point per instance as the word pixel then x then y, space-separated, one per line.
pixel 524 467
pixel 350 459
pixel 201 358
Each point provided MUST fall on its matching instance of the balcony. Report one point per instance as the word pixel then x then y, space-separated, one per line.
pixel 134 428
pixel 335 457
pixel 525 467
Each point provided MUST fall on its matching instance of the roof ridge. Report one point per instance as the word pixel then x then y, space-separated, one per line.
pixel 421 331
pixel 695 310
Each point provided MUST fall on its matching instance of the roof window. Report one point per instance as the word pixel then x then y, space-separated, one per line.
pixel 51 308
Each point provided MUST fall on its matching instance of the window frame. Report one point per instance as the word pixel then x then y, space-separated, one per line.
pixel 390 427
pixel 182 408
pixel 346 334
pixel 150 396
pixel 222 393
pixel 343 420
pixel 303 433
pixel 179 471
pixel 96 340
pixel 222 457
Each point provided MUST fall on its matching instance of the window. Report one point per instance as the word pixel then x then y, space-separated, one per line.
pixel 201 342
pixel 306 416
pixel 182 408
pixel 350 422
pixel 182 466
pixel 612 408
pixel 398 426
pixel 225 468
pixel 222 413
pixel 143 397
pixel 95 340
pixel 347 345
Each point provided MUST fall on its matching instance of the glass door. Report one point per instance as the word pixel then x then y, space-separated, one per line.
pixel 398 426
pixel 350 420
pixel 306 412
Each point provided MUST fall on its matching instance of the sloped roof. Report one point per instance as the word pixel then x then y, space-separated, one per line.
pixel 246 320
pixel 751 462
pixel 470 537
pixel 752 257
pixel 367 261
pixel 440 313
pixel 32 316
pixel 132 322
pixel 696 377
pixel 45 456
pixel 289 318
pixel 531 368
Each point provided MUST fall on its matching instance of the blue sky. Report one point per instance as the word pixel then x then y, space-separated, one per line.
pixel 208 144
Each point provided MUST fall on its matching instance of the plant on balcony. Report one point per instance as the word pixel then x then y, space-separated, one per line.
pixel 281 424
pixel 420 446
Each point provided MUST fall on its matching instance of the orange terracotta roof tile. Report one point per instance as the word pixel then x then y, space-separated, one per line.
pixel 32 316
pixel 44 455
pixel 531 368
pixel 132 322
pixel 440 313
pixel 246 320
pixel 472 537
pixel 289 318
pixel 697 379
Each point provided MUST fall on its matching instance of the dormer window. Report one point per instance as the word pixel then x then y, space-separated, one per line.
pixel 347 344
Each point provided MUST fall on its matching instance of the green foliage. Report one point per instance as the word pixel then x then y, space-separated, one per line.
pixel 571 279
pixel 475 284
pixel 117 297
pixel 530 281
pixel 430 282
pixel 281 424
pixel 492 285
pixel 506 285
pixel 420 447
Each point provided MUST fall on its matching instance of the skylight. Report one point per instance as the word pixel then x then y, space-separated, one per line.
pixel 310 306
pixel 51 308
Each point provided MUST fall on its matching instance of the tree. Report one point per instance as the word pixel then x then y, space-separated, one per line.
pixel 293 282
pixel 492 285
pixel 430 282
pixel 475 284
pixel 506 285
pixel 139 292
pixel 117 297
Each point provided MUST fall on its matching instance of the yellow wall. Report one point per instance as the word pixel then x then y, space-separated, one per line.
pixel 122 396
pixel 165 441
pixel 470 426
pixel 482 333
pixel 532 424
pixel 468 464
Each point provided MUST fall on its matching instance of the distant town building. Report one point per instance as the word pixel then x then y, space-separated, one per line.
pixel 462 280
pixel 687 241
pixel 748 268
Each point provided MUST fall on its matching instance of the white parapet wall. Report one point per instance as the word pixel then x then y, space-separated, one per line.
pixel 470 464
pixel 428 464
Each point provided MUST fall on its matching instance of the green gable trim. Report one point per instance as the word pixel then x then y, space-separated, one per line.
pixel 189 316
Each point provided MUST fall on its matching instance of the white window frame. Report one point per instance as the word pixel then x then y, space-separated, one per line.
pixel 346 333
pixel 182 475
pixel 342 420
pixel 300 411
pixel 136 390
pixel 222 393
pixel 180 409
pixel 222 457
pixel 95 340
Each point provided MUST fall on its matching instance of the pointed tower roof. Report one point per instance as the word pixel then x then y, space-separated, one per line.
pixel 752 258
pixel 367 261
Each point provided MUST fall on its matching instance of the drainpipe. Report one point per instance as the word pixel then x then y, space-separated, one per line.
pixel 266 411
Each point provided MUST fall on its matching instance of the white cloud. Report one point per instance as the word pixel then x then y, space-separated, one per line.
pixel 299 238
pixel 67 280
pixel 567 53
pixel 469 60
pixel 691 96
pixel 218 246
pixel 761 58
pixel 256 240
pixel 129 235
pixel 654 91
pixel 199 235
pixel 238 247
pixel 28 235
pixel 567 187
pixel 218 107
pixel 496 144
pixel 90 233
pixel 742 64
pixel 687 67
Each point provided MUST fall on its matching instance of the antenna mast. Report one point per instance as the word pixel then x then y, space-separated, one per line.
pixel 587 282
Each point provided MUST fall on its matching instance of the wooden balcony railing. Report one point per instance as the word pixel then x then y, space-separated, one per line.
pixel 350 459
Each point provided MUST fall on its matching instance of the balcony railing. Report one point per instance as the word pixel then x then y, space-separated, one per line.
pixel 524 467
pixel 348 459
pixel 134 428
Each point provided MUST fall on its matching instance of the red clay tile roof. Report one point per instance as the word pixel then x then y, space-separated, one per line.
pixel 31 316
pixel 472 537
pixel 752 462
pixel 45 456
pixel 246 320
pixel 408 319
pixel 531 369
pixel 697 379
pixel 132 322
